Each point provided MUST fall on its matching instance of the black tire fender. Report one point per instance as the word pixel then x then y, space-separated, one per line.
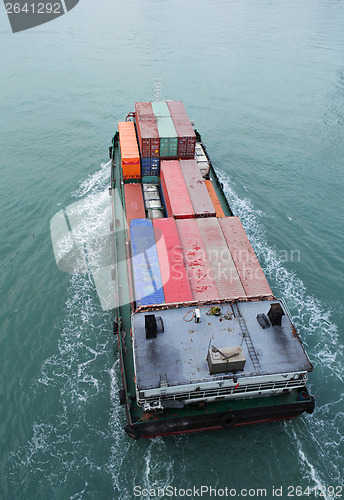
pixel 122 396
pixel 228 420
pixel 311 406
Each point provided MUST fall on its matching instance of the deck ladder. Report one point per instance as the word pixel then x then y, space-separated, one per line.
pixel 247 337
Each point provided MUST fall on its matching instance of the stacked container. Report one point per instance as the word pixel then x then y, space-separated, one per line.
pixel 166 129
pixel 196 262
pixel 134 205
pixel 220 260
pixel 199 195
pixel 184 130
pixel 251 274
pixel 174 190
pixel 145 264
pixel 147 130
pixel 130 156
pixel 173 272
pixel 150 166
pixel 149 140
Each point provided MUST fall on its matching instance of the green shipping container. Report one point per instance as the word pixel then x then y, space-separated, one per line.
pixel 168 137
pixel 160 109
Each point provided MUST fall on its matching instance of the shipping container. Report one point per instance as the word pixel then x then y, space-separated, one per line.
pixel 173 272
pixel 220 260
pixel 145 264
pixel 130 156
pixel 147 130
pixel 160 109
pixel 150 166
pixel 174 190
pixel 150 179
pixel 251 274
pixel 185 132
pixel 197 265
pixel 134 205
pixel 214 198
pixel 168 137
pixel 145 169
pixel 199 196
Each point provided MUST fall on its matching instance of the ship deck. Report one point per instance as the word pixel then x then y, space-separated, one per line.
pixel 178 355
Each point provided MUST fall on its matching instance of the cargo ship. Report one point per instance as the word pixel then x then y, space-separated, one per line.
pixel 203 342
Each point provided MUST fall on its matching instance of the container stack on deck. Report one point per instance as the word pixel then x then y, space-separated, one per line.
pixel 130 156
pixel 189 259
pixel 185 132
pixel 198 193
pixel 167 131
pixel 147 276
pixel 173 272
pixel 164 132
pixel 246 262
pixel 175 192
pixel 149 140
pixel 196 253
pixel 134 204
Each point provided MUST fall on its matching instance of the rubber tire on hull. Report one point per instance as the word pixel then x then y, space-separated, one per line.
pixel 311 406
pixel 122 396
pixel 228 420
pixel 115 328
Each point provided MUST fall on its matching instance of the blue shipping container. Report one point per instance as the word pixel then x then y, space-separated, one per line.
pixel 145 264
pixel 146 170
pixel 150 166
pixel 155 171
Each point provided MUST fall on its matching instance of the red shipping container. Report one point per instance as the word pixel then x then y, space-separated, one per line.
pixel 185 132
pixel 245 260
pixel 134 204
pixel 220 259
pixel 173 272
pixel 147 130
pixel 199 195
pixel 199 272
pixel 176 196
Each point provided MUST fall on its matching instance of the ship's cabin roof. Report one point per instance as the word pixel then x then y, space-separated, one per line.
pixel 178 354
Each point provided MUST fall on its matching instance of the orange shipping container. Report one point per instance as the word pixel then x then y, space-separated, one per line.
pixel 214 199
pixel 129 150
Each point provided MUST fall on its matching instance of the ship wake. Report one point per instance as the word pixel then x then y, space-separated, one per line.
pixel 310 435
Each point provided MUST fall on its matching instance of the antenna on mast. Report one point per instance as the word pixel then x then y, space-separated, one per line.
pixel 157 88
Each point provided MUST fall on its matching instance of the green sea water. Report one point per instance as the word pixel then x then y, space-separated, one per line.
pixel 264 83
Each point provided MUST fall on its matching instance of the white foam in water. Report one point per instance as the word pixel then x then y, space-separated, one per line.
pixel 94 182
pixel 147 468
pixel 320 336
pixel 71 380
